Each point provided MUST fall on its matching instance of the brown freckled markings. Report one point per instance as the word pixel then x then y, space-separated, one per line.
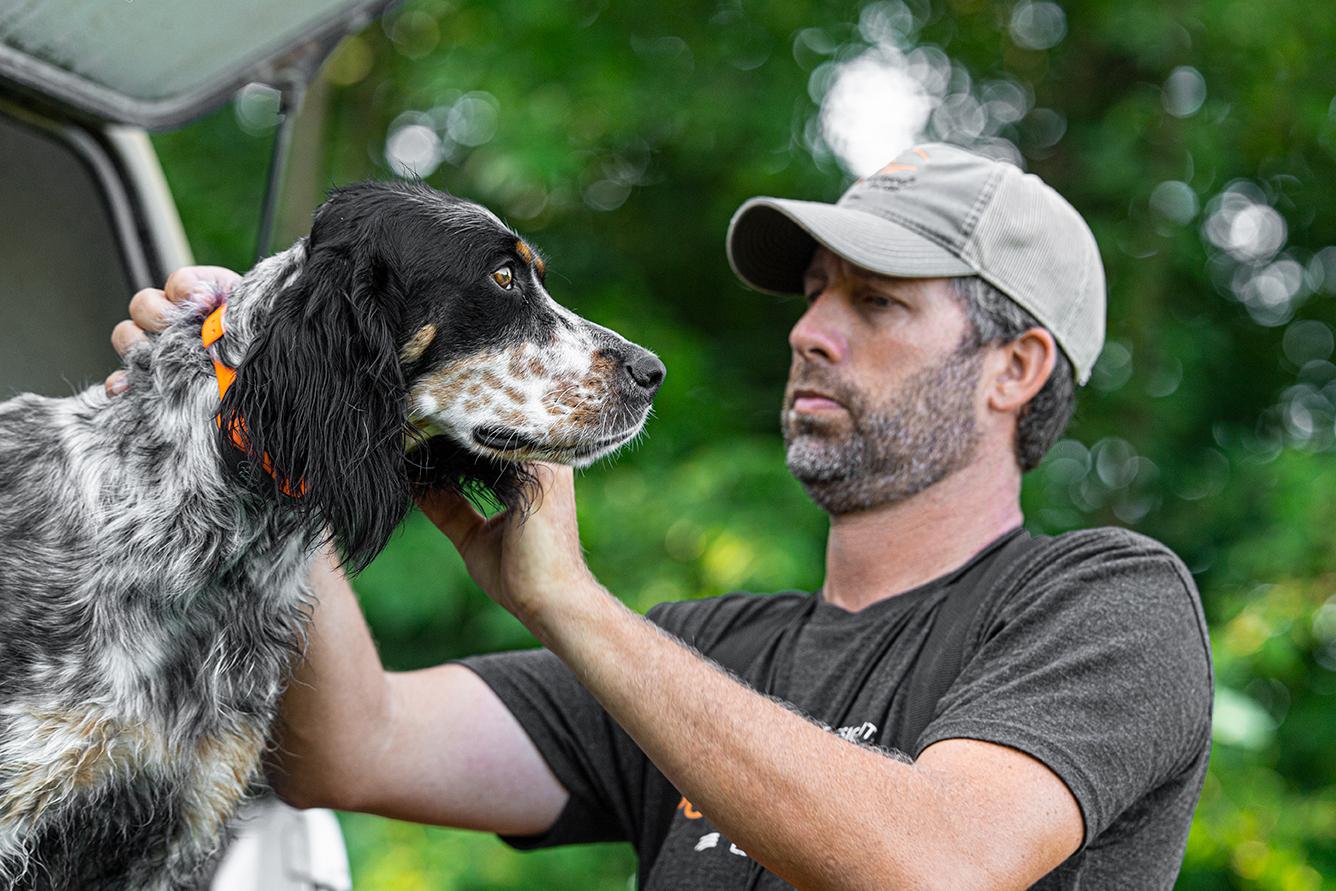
pixel 585 416
pixel 514 395
pixel 517 367
pixel 468 379
pixel 603 365
pixel 446 383
pixel 565 394
pixel 578 403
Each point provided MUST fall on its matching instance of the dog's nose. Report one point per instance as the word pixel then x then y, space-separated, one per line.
pixel 646 370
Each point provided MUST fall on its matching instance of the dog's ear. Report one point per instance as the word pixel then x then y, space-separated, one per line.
pixel 318 402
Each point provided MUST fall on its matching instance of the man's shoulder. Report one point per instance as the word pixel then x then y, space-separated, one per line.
pixel 1109 552
pixel 1108 541
pixel 702 622
pixel 1126 576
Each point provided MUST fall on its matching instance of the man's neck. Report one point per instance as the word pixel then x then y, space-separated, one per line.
pixel 876 554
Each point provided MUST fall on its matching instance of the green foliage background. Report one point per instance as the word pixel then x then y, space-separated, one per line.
pixel 620 138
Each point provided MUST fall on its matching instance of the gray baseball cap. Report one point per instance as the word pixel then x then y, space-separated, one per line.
pixel 938 210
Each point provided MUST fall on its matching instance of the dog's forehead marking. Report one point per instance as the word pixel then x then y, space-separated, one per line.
pixel 528 255
pixel 417 344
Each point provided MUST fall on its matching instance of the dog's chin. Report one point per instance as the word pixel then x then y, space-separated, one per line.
pixel 513 445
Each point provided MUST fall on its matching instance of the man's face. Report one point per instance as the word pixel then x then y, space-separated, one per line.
pixel 882 397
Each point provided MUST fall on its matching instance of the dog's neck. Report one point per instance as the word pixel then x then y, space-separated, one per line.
pixel 251 301
pixel 171 402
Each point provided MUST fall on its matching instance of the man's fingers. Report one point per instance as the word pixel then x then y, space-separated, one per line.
pixel 452 514
pixel 149 310
pixel 117 383
pixel 192 279
pixel 125 335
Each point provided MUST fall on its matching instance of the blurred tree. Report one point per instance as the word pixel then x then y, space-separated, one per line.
pixel 1198 139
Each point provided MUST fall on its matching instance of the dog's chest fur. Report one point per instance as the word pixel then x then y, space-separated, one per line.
pixel 148 620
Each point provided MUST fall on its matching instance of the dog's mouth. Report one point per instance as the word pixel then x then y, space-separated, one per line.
pixel 513 445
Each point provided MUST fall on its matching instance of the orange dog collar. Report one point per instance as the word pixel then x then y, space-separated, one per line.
pixel 210 333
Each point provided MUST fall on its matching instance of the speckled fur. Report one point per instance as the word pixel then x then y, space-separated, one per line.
pixel 153 593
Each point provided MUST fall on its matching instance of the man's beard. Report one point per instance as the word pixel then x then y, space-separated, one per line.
pixel 885 451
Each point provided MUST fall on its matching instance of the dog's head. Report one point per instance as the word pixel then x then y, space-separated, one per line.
pixel 416 345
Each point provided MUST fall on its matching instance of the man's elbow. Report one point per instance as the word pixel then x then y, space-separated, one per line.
pixel 303 789
pixel 953 862
pixel 321 788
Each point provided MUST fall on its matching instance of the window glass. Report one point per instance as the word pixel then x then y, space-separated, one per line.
pixel 155 49
pixel 63 281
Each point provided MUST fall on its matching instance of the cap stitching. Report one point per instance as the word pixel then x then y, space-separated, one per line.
pixel 891 216
pixel 985 196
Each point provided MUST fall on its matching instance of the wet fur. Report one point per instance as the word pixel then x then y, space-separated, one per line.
pixel 153 580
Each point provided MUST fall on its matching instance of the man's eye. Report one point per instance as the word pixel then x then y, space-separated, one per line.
pixel 505 277
pixel 880 301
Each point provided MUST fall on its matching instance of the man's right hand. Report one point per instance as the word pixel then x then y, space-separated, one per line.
pixel 150 309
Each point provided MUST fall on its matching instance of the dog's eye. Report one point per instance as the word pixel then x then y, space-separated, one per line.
pixel 505 277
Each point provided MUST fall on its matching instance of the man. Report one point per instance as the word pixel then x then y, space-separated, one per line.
pixel 953 302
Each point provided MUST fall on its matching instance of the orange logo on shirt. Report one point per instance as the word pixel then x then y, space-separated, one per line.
pixel 687 810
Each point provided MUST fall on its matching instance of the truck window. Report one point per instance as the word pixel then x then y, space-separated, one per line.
pixel 63 280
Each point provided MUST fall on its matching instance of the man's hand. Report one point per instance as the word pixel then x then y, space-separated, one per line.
pixel 150 309
pixel 524 562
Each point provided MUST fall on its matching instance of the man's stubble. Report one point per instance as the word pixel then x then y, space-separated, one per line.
pixel 888 449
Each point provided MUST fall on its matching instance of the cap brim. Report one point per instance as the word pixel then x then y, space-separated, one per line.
pixel 771 240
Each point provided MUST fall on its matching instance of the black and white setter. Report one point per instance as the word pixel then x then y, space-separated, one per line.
pixel 154 547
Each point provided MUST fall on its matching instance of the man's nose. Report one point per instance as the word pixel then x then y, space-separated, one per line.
pixel 817 335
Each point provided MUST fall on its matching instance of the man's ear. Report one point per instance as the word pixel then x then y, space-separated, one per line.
pixel 1019 370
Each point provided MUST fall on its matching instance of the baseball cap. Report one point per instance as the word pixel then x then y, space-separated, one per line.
pixel 939 210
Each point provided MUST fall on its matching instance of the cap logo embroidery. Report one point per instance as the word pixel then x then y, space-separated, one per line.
pixel 892 177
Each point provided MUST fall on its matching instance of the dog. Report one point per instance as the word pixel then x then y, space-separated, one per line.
pixel 154 547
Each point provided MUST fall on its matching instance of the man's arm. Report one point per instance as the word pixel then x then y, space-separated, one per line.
pixel 432 746
pixel 817 810
pixel 436 746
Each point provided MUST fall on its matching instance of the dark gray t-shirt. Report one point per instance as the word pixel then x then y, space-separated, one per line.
pixel 1091 655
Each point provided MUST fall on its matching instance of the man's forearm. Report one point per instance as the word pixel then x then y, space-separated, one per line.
pixel 333 703
pixel 432 746
pixel 778 785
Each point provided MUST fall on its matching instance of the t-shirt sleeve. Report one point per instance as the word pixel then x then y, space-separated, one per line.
pixel 1097 666
pixel 610 781
pixel 592 757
